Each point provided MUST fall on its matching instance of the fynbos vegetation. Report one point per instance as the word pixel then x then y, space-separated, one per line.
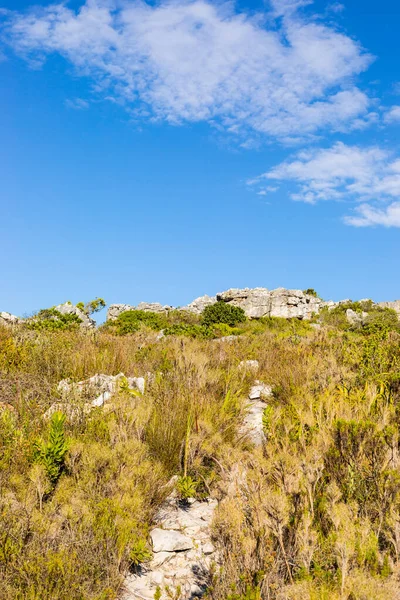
pixel 313 513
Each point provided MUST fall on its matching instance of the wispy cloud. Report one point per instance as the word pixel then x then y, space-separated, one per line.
pixel 76 103
pixel 194 61
pixel 392 115
pixel 370 176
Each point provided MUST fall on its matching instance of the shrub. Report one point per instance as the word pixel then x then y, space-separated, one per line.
pixel 51 453
pixel 221 312
pixel 311 292
pixel 51 319
pixel 131 321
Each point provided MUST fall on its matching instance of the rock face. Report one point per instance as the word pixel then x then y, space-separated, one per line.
pixel 182 553
pixel 261 302
pixel 9 319
pixel 198 305
pixel 395 305
pixel 69 309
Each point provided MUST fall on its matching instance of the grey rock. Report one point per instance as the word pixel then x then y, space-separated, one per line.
pixel 199 304
pixel 260 390
pixel 395 305
pixel 69 309
pixel 170 541
pixel 261 302
pixel 7 318
pixel 114 310
pixel 355 318
pixel 249 365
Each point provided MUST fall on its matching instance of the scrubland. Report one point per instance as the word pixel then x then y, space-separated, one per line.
pixel 316 513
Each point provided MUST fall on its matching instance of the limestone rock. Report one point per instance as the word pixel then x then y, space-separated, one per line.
pixel 355 318
pixel 253 422
pixel 199 304
pixel 7 318
pixel 261 302
pixel 249 365
pixel 255 302
pixel 260 390
pixel 395 305
pixel 69 309
pixel 169 541
pixel 115 310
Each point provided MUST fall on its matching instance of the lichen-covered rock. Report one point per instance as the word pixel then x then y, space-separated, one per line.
pixel 395 305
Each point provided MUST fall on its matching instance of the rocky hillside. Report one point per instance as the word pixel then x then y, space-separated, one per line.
pixel 245 447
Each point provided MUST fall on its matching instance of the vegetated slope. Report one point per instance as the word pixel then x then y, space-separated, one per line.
pixel 317 509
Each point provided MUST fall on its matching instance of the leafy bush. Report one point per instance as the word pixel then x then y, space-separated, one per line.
pixel 131 321
pixel 92 307
pixel 51 453
pixel 51 319
pixel 221 312
pixel 311 292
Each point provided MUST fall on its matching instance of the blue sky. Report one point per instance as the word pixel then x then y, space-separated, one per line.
pixel 161 151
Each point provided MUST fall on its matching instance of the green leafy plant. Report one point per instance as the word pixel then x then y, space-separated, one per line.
pixel 221 312
pixel 51 453
pixel 92 307
pixel 187 330
pixel 186 487
pixel 140 552
pixel 51 319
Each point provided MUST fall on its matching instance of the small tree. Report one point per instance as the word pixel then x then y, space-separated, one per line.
pixel 93 306
pixel 51 453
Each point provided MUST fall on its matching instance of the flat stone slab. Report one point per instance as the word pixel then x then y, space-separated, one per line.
pixel 167 540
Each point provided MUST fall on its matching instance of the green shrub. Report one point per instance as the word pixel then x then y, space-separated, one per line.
pixel 311 292
pixel 51 319
pixel 51 453
pixel 221 312
pixel 131 321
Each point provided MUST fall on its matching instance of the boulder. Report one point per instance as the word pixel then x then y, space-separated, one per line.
pixel 199 304
pixel 7 318
pixel 356 318
pixel 260 390
pixel 68 309
pixel 395 305
pixel 255 302
pixel 114 310
pixel 166 540
pixel 249 365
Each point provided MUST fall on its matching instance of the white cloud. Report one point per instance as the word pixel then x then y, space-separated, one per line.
pixel 184 60
pixel 392 115
pixel 346 173
pixel 368 215
pixel 76 103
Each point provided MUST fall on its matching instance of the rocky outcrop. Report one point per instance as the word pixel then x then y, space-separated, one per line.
pixel 115 310
pixel 395 305
pixel 356 318
pixel 182 553
pixel 7 318
pixel 69 309
pixel 198 305
pixel 79 398
pixel 261 302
